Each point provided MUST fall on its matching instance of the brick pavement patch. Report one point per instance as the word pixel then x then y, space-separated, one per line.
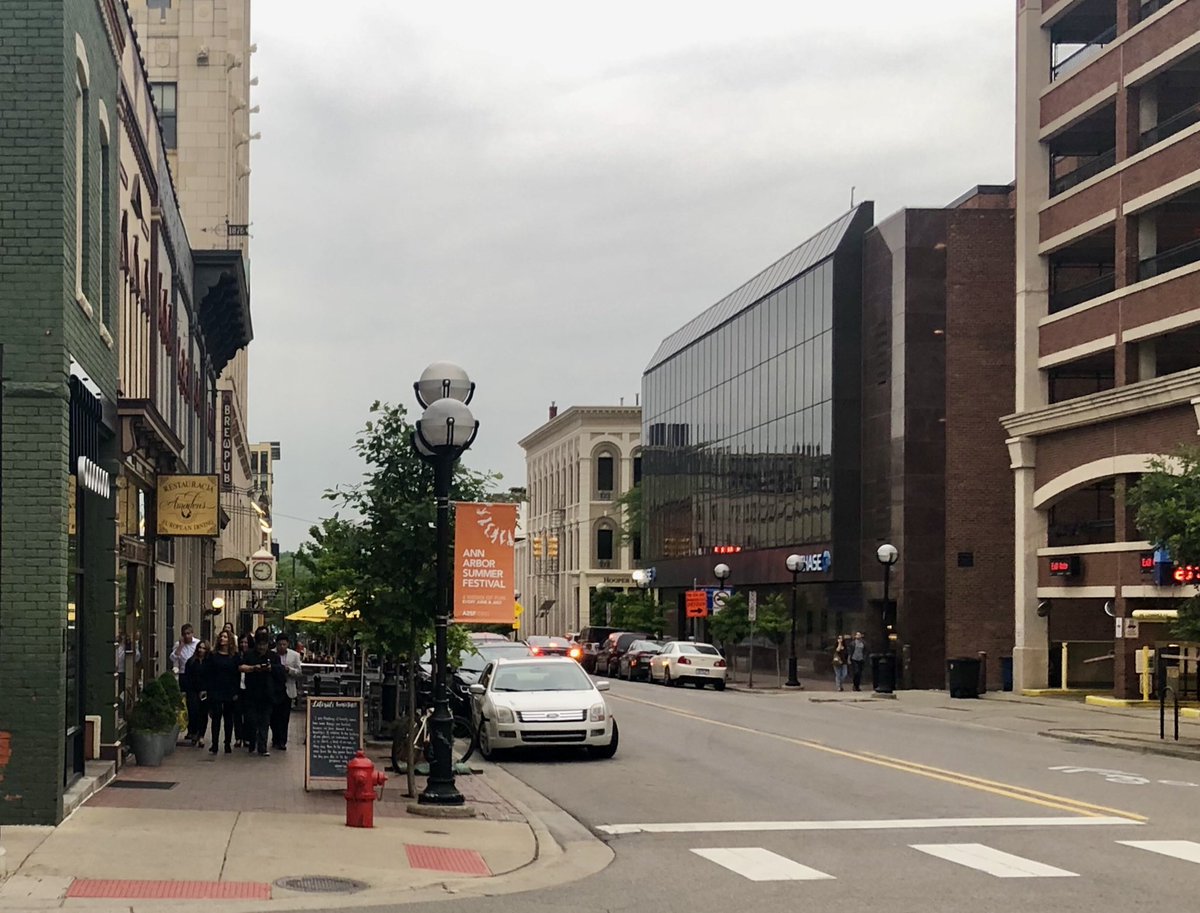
pixel 442 859
pixel 121 889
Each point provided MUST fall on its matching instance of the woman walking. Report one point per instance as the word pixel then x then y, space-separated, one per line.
pixel 221 678
pixel 841 665
pixel 193 689
pixel 239 703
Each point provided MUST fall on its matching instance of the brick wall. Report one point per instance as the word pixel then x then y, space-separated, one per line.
pixel 41 328
pixel 980 365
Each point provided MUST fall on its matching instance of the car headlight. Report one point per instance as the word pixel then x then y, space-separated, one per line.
pixel 504 715
pixel 597 713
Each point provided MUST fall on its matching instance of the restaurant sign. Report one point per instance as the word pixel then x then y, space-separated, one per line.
pixel 187 506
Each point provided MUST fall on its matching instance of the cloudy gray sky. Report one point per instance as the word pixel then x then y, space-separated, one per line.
pixel 541 191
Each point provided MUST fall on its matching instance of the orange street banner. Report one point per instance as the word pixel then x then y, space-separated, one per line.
pixel 187 506
pixel 484 564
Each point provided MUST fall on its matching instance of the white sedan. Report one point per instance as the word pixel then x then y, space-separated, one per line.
pixel 524 703
pixel 682 661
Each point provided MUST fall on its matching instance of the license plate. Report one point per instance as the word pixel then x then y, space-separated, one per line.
pixel 702 672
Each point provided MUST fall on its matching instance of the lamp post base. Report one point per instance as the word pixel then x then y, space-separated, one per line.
pixel 436 793
pixel 793 680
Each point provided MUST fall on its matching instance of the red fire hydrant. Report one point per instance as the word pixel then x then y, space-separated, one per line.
pixel 361 780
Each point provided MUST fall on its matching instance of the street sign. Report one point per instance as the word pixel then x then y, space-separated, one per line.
pixel 696 603
pixel 718 599
pixel 753 605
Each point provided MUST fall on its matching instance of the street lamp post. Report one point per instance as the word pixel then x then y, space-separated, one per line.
pixel 721 572
pixel 641 577
pixel 888 555
pixel 794 563
pixel 444 431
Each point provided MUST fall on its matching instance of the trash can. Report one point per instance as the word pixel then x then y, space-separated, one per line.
pixel 1006 672
pixel 962 676
pixel 883 672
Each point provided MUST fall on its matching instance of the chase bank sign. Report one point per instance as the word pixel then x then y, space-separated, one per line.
pixel 817 563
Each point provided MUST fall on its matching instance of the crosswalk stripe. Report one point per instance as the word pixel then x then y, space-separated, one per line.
pixel 994 862
pixel 757 864
pixel 1187 850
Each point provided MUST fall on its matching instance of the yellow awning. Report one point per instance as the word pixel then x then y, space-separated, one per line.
pixel 318 612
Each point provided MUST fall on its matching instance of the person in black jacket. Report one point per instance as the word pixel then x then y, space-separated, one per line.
pixel 265 676
pixel 193 686
pixel 221 680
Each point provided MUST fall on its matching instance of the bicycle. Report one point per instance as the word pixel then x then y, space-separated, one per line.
pixel 466 739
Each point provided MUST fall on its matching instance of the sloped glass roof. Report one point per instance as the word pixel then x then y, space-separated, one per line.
pixel 817 248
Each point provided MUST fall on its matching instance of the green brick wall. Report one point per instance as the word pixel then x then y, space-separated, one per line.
pixel 41 329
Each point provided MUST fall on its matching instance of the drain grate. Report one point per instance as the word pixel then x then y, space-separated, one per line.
pixel 142 784
pixel 321 884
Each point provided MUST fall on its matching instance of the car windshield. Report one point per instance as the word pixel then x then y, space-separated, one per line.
pixel 548 676
pixel 475 662
pixel 703 649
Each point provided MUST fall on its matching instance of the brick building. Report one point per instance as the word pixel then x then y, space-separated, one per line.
pixel 1108 329
pixel 111 340
pixel 836 402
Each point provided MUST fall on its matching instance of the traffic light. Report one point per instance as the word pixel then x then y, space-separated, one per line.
pixel 552 547
pixel 537 546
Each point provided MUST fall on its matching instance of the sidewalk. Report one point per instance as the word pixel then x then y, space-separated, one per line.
pixel 234 827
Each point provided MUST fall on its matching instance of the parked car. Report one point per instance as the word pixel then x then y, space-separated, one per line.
pixel 590 640
pixel 682 661
pixel 608 657
pixel 543 645
pixel 541 701
pixel 635 662
pixel 466 670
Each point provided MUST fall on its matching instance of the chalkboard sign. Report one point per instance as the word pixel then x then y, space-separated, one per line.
pixel 333 729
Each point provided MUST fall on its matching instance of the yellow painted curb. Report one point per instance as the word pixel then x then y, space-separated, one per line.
pixel 1103 700
pixel 1192 713
pixel 1053 692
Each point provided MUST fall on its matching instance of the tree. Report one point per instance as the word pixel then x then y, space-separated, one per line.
pixel 1167 501
pixel 636 611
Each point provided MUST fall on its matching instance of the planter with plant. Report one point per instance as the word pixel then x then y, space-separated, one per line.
pixel 170 686
pixel 153 725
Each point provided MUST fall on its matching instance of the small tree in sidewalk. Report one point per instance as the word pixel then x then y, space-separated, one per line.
pixel 1167 501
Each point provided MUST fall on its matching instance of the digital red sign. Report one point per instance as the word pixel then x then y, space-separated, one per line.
pixel 1186 573
pixel 726 549
pixel 1066 566
pixel 1147 563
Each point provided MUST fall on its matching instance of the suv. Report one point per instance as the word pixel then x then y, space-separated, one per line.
pixel 608 658
pixel 590 639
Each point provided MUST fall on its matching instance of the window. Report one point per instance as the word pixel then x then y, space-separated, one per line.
pixel 107 309
pixel 604 473
pixel 80 183
pixel 164 98
pixel 604 545
pixel 637 470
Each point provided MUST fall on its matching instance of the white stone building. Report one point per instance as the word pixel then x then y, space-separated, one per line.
pixel 577 465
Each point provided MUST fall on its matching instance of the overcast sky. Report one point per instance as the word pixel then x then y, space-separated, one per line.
pixel 543 191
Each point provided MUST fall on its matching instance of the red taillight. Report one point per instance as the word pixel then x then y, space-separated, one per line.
pixel 576 653
pixel 684 661
pixel 633 662
pixel 719 664
pixel 537 651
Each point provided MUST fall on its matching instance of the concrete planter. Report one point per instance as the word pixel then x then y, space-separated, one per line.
pixel 151 747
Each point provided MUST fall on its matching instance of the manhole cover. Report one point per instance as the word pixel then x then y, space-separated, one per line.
pixel 142 784
pixel 321 884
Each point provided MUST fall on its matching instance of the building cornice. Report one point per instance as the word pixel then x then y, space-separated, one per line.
pixel 1131 399
pixel 574 415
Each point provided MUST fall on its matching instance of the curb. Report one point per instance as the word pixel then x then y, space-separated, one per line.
pixel 1165 750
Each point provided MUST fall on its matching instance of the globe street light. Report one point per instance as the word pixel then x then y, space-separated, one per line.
pixel 442 433
pixel 794 563
pixel 888 555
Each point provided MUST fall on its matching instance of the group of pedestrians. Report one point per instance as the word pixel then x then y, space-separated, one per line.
pixel 849 660
pixel 245 686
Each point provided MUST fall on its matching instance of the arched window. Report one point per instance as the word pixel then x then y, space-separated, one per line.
pixel 605 473
pixel 605 544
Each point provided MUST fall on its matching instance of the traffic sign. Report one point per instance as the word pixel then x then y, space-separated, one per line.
pixel 696 603
pixel 718 599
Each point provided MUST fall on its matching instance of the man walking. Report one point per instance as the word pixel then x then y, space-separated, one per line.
pixel 264 678
pixel 281 711
pixel 183 650
pixel 858 659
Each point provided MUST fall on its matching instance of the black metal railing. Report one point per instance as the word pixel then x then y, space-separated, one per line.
pixel 1087 50
pixel 1171 126
pixel 1169 260
pixel 1101 285
pixel 1090 168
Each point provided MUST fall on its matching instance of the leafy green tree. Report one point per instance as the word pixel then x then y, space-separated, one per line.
pixel 632 518
pixel 1167 501
pixel 636 611
pixel 602 601
pixel 731 625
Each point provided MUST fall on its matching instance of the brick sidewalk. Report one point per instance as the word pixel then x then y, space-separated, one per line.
pixel 192 778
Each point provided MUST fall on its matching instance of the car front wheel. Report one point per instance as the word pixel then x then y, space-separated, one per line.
pixel 485 743
pixel 607 751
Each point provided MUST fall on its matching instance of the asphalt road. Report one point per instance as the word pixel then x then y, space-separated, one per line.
pixel 722 800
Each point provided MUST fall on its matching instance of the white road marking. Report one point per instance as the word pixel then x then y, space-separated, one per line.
pixel 757 864
pixel 896 824
pixel 1187 850
pixel 994 862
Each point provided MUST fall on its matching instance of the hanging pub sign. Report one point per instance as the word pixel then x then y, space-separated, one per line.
pixel 485 563
pixel 187 506
pixel 226 440
pixel 1065 566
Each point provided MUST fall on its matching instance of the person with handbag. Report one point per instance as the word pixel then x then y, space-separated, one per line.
pixel 841 667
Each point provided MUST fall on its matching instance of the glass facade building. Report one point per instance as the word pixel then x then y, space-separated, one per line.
pixel 751 417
